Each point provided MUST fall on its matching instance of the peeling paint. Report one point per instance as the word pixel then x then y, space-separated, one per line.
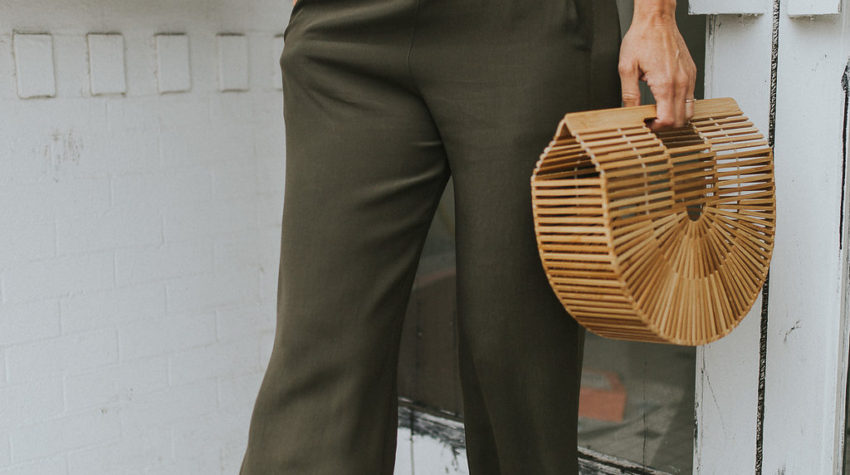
pixel 763 324
pixel 845 86
pixel 791 330
pixel 63 149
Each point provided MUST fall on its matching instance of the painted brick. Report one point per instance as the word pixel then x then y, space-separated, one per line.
pixel 28 158
pixel 269 248
pixel 216 360
pixel 58 277
pixel 115 384
pixel 234 179
pixel 191 146
pixel 206 462
pixel 53 436
pixel 5 450
pixel 203 433
pixel 169 407
pixel 277 51
pixel 140 58
pixel 40 242
pixel 269 280
pixel 193 220
pixel 150 338
pixel 245 320
pixel 9 166
pixel 183 110
pixel 34 67
pixel 133 266
pixel 27 322
pixel 137 116
pixel 123 456
pixel 207 292
pixel 54 465
pixel 270 210
pixel 70 54
pixel 7 68
pixel 69 113
pixel 67 353
pixel 106 64
pixel 239 392
pixel 232 62
pixel 266 347
pixel 199 144
pixel 57 155
pixel 173 70
pixel 118 227
pixel 270 145
pixel 118 169
pixel 269 270
pixel 239 251
pixel 232 454
pixel 44 201
pixel 112 308
pixel 269 15
pixel 162 189
pixel 30 402
pixel 228 108
pixel 126 151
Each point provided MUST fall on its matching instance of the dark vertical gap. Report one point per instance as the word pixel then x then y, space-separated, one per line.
pixel 771 138
pixel 845 85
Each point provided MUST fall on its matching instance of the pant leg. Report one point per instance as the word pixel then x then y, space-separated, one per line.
pixel 364 172
pixel 497 88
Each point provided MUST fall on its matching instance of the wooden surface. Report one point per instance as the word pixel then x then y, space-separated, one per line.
pixel 714 7
pixel 727 370
pixel 807 330
pixel 660 237
pixel 813 7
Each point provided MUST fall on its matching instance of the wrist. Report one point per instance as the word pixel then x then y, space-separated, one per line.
pixel 654 12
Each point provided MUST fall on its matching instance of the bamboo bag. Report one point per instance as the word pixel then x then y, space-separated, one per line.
pixel 660 237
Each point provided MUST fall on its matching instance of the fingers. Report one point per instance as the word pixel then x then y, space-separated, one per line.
pixel 689 96
pixel 674 98
pixel 629 82
pixel 681 93
pixel 665 107
pixel 689 107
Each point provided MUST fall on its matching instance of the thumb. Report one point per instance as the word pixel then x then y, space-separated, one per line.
pixel 629 82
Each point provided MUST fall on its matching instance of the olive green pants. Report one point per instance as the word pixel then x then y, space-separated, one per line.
pixel 383 101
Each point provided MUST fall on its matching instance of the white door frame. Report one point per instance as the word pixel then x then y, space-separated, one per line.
pixel 770 397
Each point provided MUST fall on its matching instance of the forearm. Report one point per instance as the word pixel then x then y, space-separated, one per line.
pixel 654 11
pixel 654 51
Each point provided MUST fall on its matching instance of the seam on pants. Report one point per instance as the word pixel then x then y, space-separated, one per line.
pixel 410 48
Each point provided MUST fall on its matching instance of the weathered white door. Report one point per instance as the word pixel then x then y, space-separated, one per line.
pixel 770 397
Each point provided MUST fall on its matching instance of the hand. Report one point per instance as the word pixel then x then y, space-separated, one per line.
pixel 654 51
pixel 293 2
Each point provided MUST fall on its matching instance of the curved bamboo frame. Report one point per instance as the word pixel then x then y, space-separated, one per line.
pixel 661 237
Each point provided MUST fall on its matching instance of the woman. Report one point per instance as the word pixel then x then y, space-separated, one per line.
pixel 383 101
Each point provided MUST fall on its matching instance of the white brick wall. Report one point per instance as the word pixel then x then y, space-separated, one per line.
pixel 141 177
pixel 140 223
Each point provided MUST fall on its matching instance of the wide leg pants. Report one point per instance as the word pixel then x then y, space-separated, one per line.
pixel 383 101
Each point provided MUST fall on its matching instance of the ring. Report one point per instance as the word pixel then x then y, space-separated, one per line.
pixel 689 100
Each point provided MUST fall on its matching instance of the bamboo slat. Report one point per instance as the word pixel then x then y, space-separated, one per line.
pixel 660 237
